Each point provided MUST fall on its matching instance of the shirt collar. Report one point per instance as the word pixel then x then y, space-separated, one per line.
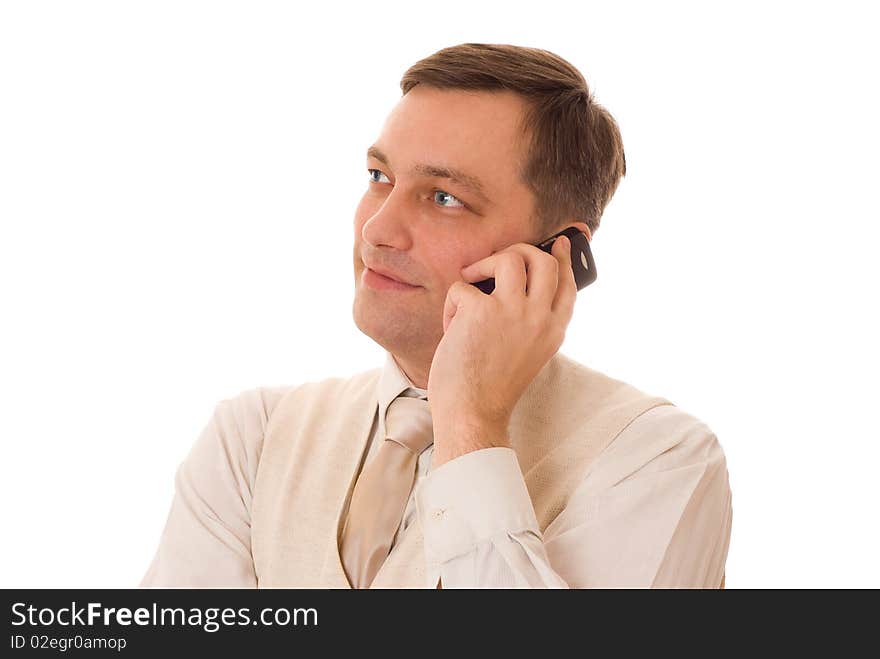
pixel 393 383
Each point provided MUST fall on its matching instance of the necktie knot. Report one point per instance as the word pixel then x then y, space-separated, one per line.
pixel 408 422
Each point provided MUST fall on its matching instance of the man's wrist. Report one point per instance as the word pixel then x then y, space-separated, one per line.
pixel 465 435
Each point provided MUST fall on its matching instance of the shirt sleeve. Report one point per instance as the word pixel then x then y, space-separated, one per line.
pixel 206 539
pixel 653 511
pixel 479 525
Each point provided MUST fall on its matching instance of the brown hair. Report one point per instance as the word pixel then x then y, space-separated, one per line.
pixel 575 158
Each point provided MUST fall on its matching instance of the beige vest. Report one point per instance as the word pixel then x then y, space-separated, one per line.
pixel 317 437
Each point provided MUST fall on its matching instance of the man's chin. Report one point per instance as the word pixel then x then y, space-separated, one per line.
pixel 390 327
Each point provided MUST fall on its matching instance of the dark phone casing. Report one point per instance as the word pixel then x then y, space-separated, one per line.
pixel 581 259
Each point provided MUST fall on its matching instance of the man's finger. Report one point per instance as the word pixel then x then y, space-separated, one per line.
pixel 508 269
pixel 566 291
pixel 459 294
pixel 535 276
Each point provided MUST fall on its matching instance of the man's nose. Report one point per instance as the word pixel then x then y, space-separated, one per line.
pixel 389 225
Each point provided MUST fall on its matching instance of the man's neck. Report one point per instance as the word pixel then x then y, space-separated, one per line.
pixel 414 370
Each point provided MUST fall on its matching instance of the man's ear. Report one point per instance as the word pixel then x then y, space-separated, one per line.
pixel 583 227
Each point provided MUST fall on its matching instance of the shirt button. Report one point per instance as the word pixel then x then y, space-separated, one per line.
pixel 438 513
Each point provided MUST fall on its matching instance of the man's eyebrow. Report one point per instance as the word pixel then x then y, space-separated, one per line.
pixel 466 181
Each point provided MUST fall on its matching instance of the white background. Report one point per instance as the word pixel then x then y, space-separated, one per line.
pixel 177 188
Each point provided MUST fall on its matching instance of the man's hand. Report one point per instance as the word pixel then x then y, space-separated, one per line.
pixel 494 345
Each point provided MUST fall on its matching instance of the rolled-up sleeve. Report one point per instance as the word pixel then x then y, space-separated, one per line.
pixel 206 539
pixel 654 510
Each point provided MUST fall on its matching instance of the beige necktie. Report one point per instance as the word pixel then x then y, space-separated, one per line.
pixel 383 489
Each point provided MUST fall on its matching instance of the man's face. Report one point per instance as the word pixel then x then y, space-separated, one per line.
pixel 423 228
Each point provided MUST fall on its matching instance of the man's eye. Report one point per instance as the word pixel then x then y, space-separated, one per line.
pixel 445 200
pixel 446 195
pixel 372 172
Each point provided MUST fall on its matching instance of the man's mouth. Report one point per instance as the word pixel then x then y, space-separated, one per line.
pixel 379 281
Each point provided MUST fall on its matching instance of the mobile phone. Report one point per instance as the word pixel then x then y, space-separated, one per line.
pixel 581 259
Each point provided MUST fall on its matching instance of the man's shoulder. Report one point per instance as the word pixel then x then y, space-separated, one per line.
pixel 262 401
pixel 574 378
pixel 665 438
pixel 661 422
pixel 568 371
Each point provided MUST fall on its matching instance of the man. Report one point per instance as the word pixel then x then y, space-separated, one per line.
pixel 478 456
